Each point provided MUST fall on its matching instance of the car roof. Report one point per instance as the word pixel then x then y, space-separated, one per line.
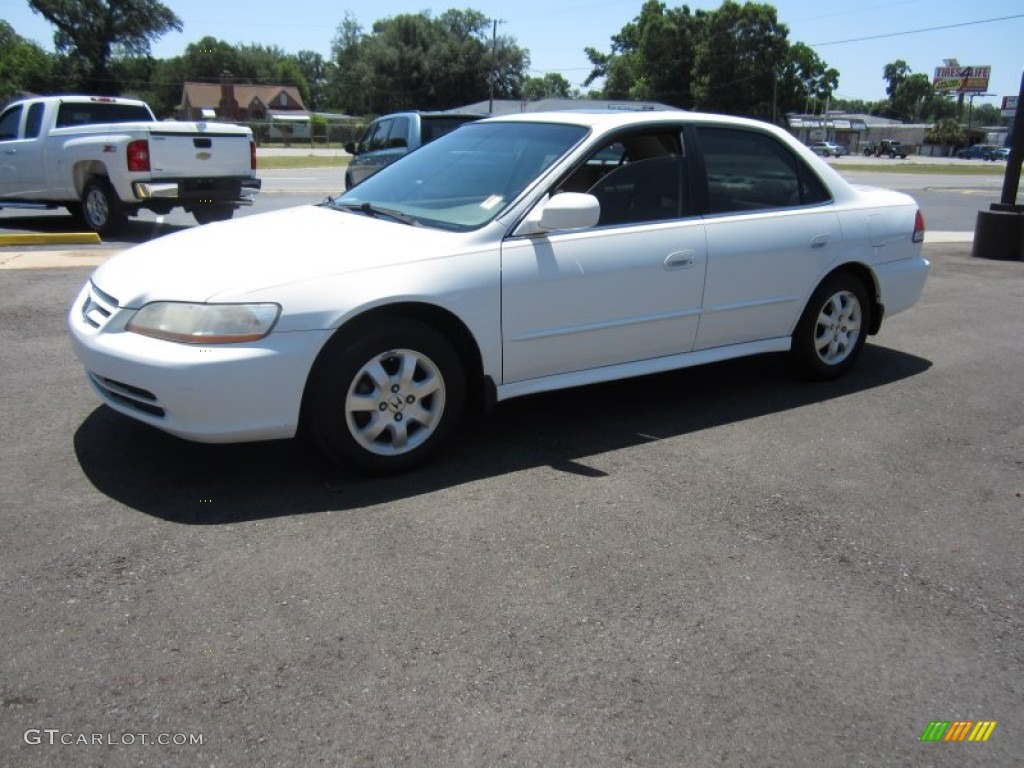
pixel 462 115
pixel 609 119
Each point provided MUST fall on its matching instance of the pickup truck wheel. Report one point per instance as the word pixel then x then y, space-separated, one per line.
pixel 100 209
pixel 206 214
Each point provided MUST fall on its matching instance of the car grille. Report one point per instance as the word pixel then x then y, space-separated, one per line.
pixel 98 307
pixel 136 398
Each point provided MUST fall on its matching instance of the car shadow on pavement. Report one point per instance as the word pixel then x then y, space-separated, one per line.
pixel 198 484
pixel 132 232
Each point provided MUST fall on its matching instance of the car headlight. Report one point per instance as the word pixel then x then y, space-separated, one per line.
pixel 205 323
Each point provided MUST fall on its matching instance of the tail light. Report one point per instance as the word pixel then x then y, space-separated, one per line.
pixel 138 155
pixel 252 155
pixel 918 228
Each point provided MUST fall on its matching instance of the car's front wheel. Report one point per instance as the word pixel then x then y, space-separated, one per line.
pixel 832 330
pixel 384 398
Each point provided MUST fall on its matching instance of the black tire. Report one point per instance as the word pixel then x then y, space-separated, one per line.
pixel 833 328
pixel 100 210
pixel 211 212
pixel 383 397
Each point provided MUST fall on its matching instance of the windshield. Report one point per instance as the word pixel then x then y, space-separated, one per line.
pixel 467 177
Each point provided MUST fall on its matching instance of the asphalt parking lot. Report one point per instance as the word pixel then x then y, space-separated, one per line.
pixel 721 566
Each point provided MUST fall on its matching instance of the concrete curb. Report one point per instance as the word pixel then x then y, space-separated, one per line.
pixel 948 237
pixel 48 238
pixel 54 259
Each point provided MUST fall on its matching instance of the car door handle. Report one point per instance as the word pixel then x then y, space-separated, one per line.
pixel 679 260
pixel 820 241
pixel 10 151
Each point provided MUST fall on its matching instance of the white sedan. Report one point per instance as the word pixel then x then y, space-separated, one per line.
pixel 515 255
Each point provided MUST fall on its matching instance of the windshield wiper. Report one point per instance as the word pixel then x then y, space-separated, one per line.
pixel 376 212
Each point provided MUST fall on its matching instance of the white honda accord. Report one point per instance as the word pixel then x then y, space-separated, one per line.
pixel 515 255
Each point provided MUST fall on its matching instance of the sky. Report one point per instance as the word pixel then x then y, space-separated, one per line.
pixel 556 34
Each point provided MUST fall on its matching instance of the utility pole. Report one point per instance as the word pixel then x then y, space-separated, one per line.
pixel 494 56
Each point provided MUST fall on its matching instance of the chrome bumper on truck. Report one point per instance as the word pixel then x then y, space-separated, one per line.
pixel 219 190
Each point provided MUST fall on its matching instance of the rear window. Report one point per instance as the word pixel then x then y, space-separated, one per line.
pixel 435 127
pixel 96 113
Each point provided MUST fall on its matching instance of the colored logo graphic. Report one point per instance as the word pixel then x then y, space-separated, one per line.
pixel 958 730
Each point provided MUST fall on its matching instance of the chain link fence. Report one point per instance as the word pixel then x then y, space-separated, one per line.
pixel 318 133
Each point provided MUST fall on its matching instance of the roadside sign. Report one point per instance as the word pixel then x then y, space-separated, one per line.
pixel 962 79
pixel 1009 106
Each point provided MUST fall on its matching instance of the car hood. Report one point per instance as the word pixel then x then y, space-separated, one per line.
pixel 232 260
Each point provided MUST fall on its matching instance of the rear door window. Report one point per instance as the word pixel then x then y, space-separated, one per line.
pixel 34 120
pixel 749 171
pixel 398 136
pixel 379 138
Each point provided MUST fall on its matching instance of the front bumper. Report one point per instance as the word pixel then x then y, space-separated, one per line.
pixel 214 394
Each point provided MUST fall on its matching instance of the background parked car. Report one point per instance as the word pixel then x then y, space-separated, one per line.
pixel 1000 153
pixel 978 152
pixel 886 148
pixel 829 149
pixel 389 137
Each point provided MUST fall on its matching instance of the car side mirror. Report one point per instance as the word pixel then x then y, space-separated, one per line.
pixel 568 210
pixel 350 148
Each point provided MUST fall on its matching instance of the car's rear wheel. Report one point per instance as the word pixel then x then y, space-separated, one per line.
pixel 832 330
pixel 100 210
pixel 385 398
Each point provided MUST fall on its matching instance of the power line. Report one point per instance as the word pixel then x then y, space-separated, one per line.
pixel 916 31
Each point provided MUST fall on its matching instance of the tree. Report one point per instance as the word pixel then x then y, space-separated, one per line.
pixel 804 80
pixel 894 73
pixel 24 66
pixel 314 71
pixel 414 61
pixel 912 98
pixel 92 30
pixel 551 86
pixel 348 85
pixel 946 132
pixel 651 57
pixel 737 58
pixel 987 114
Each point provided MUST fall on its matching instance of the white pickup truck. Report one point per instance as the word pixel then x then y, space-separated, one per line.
pixel 106 158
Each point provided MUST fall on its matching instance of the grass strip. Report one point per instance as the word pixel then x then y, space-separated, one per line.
pixel 950 169
pixel 276 162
